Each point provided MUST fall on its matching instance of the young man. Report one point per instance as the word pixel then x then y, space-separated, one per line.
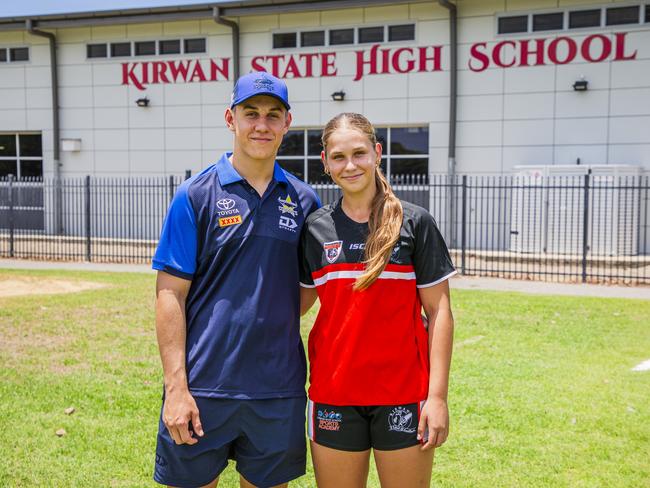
pixel 227 308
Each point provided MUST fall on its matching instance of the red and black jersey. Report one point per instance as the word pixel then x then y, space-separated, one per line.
pixel 369 347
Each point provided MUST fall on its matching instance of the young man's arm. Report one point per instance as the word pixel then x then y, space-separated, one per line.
pixel 179 408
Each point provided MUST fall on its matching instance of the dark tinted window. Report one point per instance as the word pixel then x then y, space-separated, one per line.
pixel 3 55
pixel 293 144
pixel 120 49
pixel 584 18
pixel 7 145
pixel 315 38
pixel 294 166
pixel 169 47
pixel 371 34
pixel 195 46
pixel 19 54
pixel 415 166
pixel 315 173
pixel 31 145
pixel 31 169
pixel 543 22
pixel 314 146
pixel 96 51
pixel 409 140
pixel 401 32
pixel 341 36
pixel 622 15
pixel 8 168
pixel 509 25
pixel 145 48
pixel 647 13
pixel 285 39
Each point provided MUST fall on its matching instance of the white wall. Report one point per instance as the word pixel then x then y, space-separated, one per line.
pixel 506 117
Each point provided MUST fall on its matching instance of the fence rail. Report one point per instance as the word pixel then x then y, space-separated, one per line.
pixel 587 228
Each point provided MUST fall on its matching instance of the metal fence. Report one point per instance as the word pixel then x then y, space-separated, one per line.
pixel 588 228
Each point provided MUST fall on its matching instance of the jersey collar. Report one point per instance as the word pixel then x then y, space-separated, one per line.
pixel 227 174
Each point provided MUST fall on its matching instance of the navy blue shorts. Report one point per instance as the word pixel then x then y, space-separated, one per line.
pixel 266 438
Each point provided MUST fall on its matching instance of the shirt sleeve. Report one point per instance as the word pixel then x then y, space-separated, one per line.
pixel 306 280
pixel 431 257
pixel 177 247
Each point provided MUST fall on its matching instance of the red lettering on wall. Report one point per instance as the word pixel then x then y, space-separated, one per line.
pixel 291 71
pixel 525 51
pixel 255 63
pixel 328 67
pixel 197 73
pixel 159 72
pixel 434 58
pixel 477 55
pixel 309 63
pixel 571 46
pixel 371 62
pixel 179 68
pixel 496 54
pixel 605 48
pixel 410 63
pixel 129 77
pixel 619 38
pixel 216 70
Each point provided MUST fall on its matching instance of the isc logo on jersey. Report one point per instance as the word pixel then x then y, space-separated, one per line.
pixel 228 213
pixel 287 206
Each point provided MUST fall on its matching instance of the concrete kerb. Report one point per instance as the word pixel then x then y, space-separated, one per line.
pixel 461 282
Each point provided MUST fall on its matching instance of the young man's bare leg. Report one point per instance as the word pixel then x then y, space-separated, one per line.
pixel 340 469
pixel 245 484
pixel 404 467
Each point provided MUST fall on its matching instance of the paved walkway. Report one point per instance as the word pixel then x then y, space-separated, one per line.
pixel 463 282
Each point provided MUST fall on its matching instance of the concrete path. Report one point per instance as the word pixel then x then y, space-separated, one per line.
pixel 463 282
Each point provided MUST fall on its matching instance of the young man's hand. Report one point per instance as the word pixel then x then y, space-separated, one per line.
pixel 181 417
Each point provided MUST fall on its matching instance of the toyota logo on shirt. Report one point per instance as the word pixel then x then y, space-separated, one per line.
pixel 225 204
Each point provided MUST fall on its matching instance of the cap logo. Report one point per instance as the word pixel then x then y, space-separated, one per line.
pixel 264 84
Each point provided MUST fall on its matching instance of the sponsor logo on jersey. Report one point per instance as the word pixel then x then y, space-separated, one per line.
pixel 357 246
pixel 329 420
pixel 287 223
pixel 226 206
pixel 287 206
pixel 227 221
pixel 400 419
pixel 332 250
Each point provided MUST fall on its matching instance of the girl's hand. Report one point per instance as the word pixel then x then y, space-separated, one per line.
pixel 433 427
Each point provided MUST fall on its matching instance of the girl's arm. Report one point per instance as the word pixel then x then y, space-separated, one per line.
pixel 307 298
pixel 434 419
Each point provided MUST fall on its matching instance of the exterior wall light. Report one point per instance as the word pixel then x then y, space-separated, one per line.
pixel 338 96
pixel 580 85
pixel 142 102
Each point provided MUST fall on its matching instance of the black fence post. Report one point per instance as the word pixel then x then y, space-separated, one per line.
pixel 463 236
pixel 171 188
pixel 87 219
pixel 188 174
pixel 585 228
pixel 11 216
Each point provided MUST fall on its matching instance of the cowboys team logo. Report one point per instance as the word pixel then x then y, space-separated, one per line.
pixel 288 206
pixel 332 250
pixel 400 419
pixel 263 83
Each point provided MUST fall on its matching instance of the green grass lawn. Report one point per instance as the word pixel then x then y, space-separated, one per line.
pixel 541 389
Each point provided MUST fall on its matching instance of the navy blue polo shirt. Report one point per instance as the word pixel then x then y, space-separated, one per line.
pixel 240 251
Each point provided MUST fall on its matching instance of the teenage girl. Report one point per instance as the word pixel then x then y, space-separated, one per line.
pixel 379 377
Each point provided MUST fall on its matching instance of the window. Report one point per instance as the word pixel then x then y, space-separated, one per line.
pixel 195 46
pixel 401 32
pixel 145 48
pixel 622 15
pixel 584 18
pixel 371 34
pixel 300 154
pixel 408 151
pixel 169 47
pixel 21 155
pixel 3 55
pixel 96 51
pixel 284 39
pixel 544 22
pixel 647 13
pixel 341 36
pixel 19 54
pixel 119 49
pixel 315 38
pixel 511 25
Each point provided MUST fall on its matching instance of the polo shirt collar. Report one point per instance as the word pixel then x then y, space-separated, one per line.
pixel 228 174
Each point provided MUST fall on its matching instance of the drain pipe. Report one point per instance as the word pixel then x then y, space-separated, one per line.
pixel 216 16
pixel 453 84
pixel 56 135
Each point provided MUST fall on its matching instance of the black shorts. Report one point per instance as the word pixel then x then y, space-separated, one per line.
pixel 348 428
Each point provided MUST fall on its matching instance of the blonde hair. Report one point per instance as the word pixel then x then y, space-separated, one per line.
pixel 386 211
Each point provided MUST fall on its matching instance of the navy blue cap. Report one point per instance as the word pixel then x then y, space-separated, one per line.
pixel 259 83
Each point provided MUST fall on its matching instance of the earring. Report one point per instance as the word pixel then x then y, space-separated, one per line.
pixel 327 171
